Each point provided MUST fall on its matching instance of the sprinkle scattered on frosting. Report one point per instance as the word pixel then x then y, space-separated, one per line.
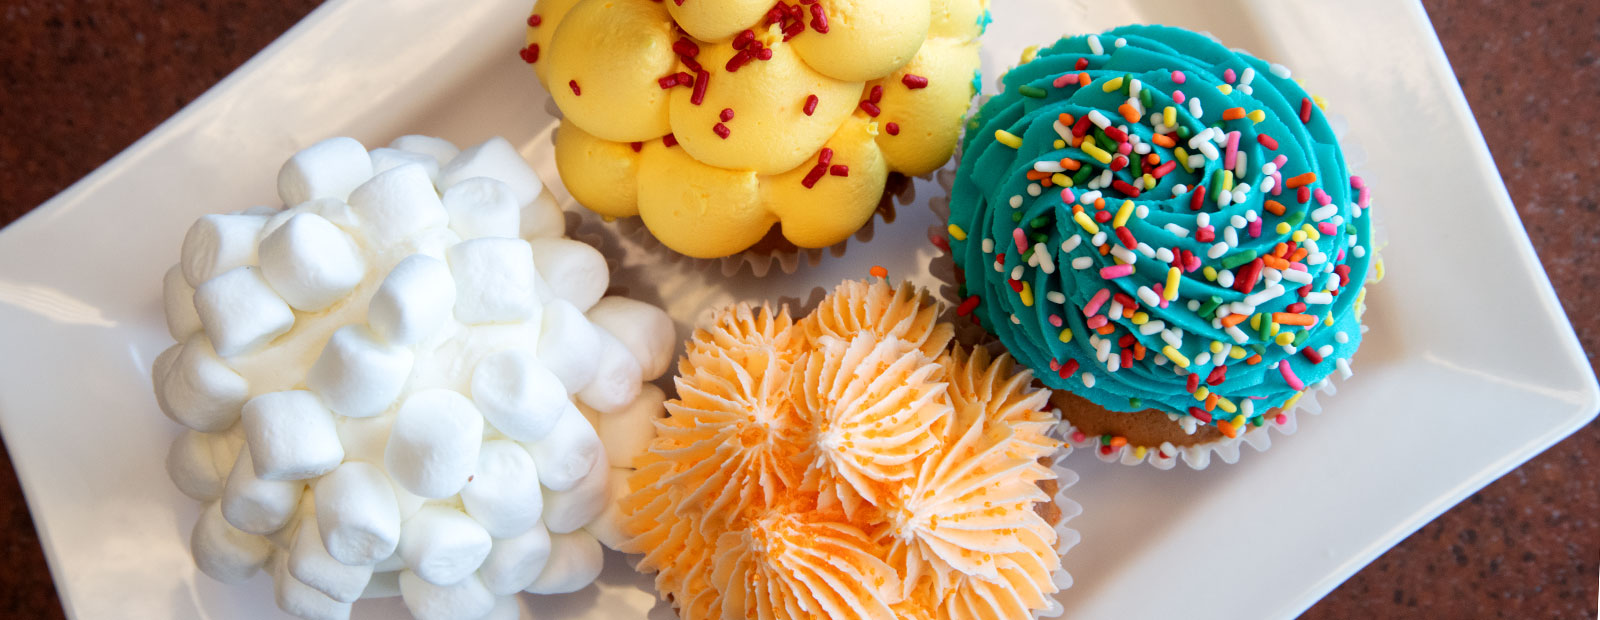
pixel 1163 223
pixel 852 464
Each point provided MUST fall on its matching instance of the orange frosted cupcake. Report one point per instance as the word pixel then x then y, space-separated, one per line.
pixel 852 464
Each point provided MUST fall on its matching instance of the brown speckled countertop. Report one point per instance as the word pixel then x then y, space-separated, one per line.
pixel 80 81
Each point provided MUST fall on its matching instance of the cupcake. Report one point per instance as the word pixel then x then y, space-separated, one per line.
pixel 852 464
pixel 405 382
pixel 1165 231
pixel 722 124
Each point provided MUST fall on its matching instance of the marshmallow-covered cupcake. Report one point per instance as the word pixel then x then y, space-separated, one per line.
pixel 724 123
pixel 1167 232
pixel 406 381
pixel 850 465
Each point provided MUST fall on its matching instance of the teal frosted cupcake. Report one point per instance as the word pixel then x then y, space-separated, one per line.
pixel 1165 230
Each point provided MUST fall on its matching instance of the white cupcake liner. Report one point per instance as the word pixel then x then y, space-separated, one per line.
pixel 1197 456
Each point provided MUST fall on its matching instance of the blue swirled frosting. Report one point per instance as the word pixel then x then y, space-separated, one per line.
pixel 1298 222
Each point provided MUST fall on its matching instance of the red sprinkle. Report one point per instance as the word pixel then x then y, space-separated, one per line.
pixel 967 306
pixel 1197 198
pixel 685 47
pixel 721 130
pixel 1267 141
pixel 727 115
pixel 636 146
pixel 811 105
pixel 1119 163
pixel 1102 216
pixel 819 19
pixel 1205 234
pixel 1245 280
pixel 739 60
pixel 914 82
pixel 764 53
pixel 876 94
pixel 530 54
pixel 668 81
pixel 669 140
pixel 1192 383
pixel 1116 134
pixel 1083 63
pixel 1200 414
pixel 839 170
pixel 1305 110
pixel 1217 376
pixel 534 20
pixel 1164 169
pixel 1068 368
pixel 701 77
pixel 743 39
pixel 892 128
pixel 1126 189
pixel 1312 354
pixel 871 108
pixel 573 84
pixel 1127 358
pixel 1126 237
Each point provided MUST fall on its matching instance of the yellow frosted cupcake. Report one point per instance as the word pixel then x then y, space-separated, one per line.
pixel 721 123
pixel 852 464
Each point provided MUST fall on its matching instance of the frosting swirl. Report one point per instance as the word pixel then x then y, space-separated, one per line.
pixel 1163 223
pixel 848 465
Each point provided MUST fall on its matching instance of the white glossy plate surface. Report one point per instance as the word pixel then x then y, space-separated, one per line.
pixel 1470 369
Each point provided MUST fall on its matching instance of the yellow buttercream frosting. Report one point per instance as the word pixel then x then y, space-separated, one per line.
pixel 802 110
pixel 851 464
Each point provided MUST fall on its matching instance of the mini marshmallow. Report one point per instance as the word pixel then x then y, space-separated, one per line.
pixel 433 446
pixel 483 207
pixel 330 168
pixel 384 160
pixel 254 505
pixel 177 297
pixel 646 330
pixel 574 270
pixel 222 551
pixel 159 369
pixel 310 262
pixel 518 395
pixel 464 599
pixel 575 562
pixel 301 600
pixel 200 391
pixel 219 243
pixel 569 510
pixel 607 527
pixel 413 300
pixel 199 463
pixel 283 538
pixel 627 432
pixel 543 217
pixel 441 150
pixel 384 584
pixel 494 280
pixel 396 204
pixel 495 159
pixel 310 564
pixel 291 436
pixel 241 312
pixel 616 379
pixel 356 514
pixel 568 343
pixel 567 454
pixel 392 564
pixel 503 496
pixel 514 563
pixel 357 375
pixel 442 545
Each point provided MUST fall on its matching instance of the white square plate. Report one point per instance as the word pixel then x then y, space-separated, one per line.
pixel 1470 368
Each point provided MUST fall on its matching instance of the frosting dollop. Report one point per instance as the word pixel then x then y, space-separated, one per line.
pixel 920 478
pixel 717 119
pixel 1162 223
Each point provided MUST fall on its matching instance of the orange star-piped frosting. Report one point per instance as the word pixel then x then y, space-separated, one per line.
pixel 852 464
